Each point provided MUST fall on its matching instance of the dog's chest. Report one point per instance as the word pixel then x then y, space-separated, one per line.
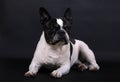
pixel 57 56
pixel 52 56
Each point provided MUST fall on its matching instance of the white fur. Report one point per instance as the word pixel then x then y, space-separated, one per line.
pixel 60 55
pixel 60 22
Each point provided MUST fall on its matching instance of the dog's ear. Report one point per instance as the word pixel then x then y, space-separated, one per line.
pixel 44 15
pixel 68 15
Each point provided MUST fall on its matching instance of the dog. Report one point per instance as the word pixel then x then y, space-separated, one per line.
pixel 57 47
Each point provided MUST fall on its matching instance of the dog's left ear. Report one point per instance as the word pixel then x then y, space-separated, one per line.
pixel 44 15
pixel 68 15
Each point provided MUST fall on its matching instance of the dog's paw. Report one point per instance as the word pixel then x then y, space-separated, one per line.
pixel 82 67
pixel 56 74
pixel 94 68
pixel 30 74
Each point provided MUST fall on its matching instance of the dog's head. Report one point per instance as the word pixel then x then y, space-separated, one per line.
pixel 56 30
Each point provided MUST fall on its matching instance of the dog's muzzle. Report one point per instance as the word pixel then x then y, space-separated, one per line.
pixel 60 36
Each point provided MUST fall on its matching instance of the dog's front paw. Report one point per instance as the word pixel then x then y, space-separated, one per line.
pixel 30 74
pixel 56 74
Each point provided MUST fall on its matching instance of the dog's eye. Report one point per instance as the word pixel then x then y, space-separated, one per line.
pixel 56 26
pixel 53 28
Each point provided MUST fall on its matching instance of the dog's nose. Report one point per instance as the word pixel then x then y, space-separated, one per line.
pixel 61 32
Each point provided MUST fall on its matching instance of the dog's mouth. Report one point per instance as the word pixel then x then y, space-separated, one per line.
pixel 62 40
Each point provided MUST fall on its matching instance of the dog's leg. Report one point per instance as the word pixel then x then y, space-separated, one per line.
pixel 88 55
pixel 80 66
pixel 33 69
pixel 64 69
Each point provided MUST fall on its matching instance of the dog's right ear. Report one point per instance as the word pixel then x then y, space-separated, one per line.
pixel 44 15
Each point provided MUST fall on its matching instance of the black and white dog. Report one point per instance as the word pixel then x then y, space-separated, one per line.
pixel 56 47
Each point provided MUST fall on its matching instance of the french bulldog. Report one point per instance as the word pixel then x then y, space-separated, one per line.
pixel 57 47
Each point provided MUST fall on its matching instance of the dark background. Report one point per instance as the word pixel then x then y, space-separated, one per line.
pixel 96 22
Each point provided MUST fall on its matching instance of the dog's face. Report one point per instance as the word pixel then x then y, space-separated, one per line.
pixel 56 30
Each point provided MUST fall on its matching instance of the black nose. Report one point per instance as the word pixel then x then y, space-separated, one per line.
pixel 61 32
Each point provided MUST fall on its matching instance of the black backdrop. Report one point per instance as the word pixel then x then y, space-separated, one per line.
pixel 96 22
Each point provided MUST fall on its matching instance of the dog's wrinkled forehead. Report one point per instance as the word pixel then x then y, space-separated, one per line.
pixel 55 23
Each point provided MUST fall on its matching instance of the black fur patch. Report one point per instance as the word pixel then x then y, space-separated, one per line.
pixel 50 28
pixel 72 40
pixel 71 50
